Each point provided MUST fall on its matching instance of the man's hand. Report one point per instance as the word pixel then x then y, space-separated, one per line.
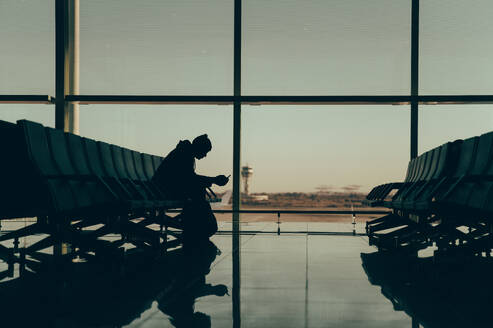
pixel 220 290
pixel 221 180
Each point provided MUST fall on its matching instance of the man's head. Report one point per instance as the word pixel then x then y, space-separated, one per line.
pixel 201 146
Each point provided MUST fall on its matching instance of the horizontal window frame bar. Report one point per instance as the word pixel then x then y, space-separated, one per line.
pixel 334 212
pixel 281 100
pixel 324 100
pixel 264 232
pixel 228 100
pixel 299 232
pixel 252 100
pixel 151 100
pixel 26 99
pixel 454 99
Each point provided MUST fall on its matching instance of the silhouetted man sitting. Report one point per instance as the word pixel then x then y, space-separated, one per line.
pixel 176 176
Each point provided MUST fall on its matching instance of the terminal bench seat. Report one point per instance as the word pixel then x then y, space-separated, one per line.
pixel 378 195
pixel 453 189
pixel 70 183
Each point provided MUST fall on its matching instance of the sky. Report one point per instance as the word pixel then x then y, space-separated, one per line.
pixel 304 47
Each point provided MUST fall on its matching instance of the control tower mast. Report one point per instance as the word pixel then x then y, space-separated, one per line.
pixel 246 174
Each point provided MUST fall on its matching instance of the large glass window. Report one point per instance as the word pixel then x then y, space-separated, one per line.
pixel 44 114
pixel 289 47
pixel 158 129
pixel 27 47
pixel 439 124
pixel 456 47
pixel 297 47
pixel 156 47
pixel 300 148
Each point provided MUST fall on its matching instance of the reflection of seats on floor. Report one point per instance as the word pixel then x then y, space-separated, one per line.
pixel 446 199
pixel 435 294
pixel 96 294
pixel 80 191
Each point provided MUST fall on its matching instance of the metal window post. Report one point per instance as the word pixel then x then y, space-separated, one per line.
pixel 66 64
pixel 414 77
pixel 73 63
pixel 61 62
pixel 236 165
pixel 61 73
pixel 66 73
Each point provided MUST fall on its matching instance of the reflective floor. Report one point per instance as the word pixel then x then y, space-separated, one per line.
pixel 298 281
pixel 287 280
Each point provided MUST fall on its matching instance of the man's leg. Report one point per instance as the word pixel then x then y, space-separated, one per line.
pixel 199 221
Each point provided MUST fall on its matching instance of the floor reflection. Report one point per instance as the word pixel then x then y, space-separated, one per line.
pixel 295 280
pixel 106 295
pixel 178 302
pixel 440 292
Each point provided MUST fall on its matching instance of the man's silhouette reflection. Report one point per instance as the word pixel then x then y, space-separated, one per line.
pixel 178 302
pixel 176 176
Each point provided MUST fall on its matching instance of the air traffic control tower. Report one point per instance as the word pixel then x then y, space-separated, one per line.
pixel 246 174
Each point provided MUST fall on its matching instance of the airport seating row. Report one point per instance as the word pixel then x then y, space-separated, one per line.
pixel 79 190
pixel 446 198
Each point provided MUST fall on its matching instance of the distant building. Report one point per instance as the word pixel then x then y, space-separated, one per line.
pixel 246 174
pixel 259 198
pixel 323 189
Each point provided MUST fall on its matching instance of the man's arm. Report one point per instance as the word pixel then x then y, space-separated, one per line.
pixel 206 181
pixel 208 289
pixel 203 180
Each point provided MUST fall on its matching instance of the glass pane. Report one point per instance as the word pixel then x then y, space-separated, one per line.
pixel 158 129
pixel 326 47
pixel 456 47
pixel 156 47
pixel 41 113
pixel 308 156
pixel 439 124
pixel 27 47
